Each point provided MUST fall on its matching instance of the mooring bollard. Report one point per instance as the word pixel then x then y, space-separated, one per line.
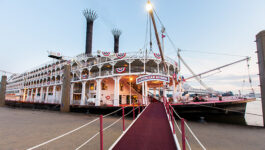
pixel 172 120
pixel 183 134
pixel 101 132
pixel 123 123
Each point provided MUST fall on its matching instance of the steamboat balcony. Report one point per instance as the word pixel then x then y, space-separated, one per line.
pixel 97 80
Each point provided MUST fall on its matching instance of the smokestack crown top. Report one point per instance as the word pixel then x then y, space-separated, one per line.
pixel 90 15
pixel 116 33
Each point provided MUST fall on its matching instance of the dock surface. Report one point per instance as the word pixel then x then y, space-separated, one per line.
pixel 150 131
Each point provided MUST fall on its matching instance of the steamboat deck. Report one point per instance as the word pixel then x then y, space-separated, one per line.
pixel 211 107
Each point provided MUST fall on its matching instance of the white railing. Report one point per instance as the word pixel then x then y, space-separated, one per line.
pixel 129 55
pixel 112 60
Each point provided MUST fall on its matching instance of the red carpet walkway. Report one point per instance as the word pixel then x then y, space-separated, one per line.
pixel 150 132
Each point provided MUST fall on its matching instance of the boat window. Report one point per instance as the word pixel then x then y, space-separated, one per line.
pixel 121 87
pixel 104 86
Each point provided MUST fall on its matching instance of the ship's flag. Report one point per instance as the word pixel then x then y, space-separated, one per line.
pixel 157 55
pixel 179 78
pixel 120 55
pixel 182 79
pixel 121 70
pixel 176 63
pixel 174 76
pixel 106 53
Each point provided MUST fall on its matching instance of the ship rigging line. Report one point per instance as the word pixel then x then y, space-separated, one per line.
pixel 196 77
pixel 218 68
pixel 230 110
pixel 212 53
pixel 170 40
pixel 146 32
pixel 206 52
pixel 6 72
pixel 249 77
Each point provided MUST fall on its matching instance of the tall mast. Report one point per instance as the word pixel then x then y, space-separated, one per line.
pixel 150 10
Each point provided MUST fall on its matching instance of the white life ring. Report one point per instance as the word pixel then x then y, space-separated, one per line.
pixel 107 97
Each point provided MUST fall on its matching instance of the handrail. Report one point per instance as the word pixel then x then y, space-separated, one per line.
pixel 58 137
pixel 67 133
pixel 196 138
pixel 103 130
pixel 181 133
pixel 111 147
pixel 130 55
pixel 165 104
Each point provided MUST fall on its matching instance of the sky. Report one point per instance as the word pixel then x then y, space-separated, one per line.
pixel 30 28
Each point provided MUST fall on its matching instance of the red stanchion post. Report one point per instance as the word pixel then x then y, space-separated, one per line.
pixel 101 132
pixel 183 134
pixel 172 120
pixel 123 121
pixel 133 111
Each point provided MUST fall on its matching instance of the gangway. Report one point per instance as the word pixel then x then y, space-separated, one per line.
pixel 151 130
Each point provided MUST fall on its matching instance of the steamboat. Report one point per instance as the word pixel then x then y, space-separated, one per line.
pixel 113 79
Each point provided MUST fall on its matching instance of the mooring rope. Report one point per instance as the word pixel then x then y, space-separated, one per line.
pixel 229 110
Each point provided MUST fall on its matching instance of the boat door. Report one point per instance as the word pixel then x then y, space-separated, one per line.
pixel 120 98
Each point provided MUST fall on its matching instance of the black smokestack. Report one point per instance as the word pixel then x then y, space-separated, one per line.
pixel 116 33
pixel 90 17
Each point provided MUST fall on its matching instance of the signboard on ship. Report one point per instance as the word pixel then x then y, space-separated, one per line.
pixel 152 78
